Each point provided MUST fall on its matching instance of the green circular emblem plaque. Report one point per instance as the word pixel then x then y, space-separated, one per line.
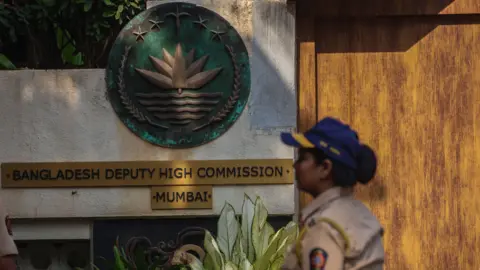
pixel 178 75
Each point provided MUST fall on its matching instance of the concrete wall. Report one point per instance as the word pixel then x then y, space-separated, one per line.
pixel 63 115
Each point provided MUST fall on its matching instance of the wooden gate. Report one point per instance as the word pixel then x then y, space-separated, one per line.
pixel 406 75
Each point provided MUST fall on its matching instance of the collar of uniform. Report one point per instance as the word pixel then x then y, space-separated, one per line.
pixel 323 199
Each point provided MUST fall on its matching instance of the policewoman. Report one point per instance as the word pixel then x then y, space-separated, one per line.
pixel 338 232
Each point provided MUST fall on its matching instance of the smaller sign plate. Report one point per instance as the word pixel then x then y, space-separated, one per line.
pixel 182 197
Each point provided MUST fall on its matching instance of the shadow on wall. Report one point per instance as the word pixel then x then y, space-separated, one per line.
pixel 348 26
pixel 385 33
pixel 375 7
pixel 273 101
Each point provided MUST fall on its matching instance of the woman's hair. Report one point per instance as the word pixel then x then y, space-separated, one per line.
pixel 345 176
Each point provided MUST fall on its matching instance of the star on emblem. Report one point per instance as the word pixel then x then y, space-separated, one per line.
pixel 155 24
pixel 201 22
pixel 177 15
pixel 140 34
pixel 217 34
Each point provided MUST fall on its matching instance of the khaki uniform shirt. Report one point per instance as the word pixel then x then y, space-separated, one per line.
pixel 340 233
pixel 7 246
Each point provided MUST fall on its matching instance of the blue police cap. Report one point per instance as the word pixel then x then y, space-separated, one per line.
pixel 336 139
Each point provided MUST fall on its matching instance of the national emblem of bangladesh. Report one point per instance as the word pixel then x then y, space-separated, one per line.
pixel 178 75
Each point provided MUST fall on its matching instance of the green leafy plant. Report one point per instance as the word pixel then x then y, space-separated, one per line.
pixel 243 242
pixel 62 33
pixel 250 243
pixel 5 63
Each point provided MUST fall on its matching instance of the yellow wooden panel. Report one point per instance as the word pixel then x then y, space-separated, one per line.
pixel 418 106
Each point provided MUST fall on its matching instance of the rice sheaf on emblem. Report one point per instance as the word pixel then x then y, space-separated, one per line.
pixel 318 259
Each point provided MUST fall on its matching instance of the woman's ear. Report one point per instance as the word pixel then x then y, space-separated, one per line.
pixel 325 169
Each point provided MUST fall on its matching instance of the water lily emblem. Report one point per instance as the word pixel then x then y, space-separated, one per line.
pixel 179 72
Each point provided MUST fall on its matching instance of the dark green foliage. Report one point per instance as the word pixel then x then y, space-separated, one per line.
pixel 54 34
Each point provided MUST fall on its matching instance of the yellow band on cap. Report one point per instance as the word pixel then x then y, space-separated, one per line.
pixel 304 142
